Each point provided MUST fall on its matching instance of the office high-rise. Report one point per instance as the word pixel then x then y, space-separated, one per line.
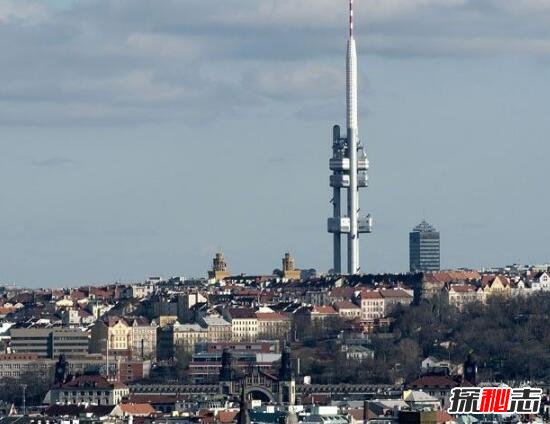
pixel 424 248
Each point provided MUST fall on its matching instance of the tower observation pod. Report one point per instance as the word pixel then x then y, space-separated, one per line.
pixel 349 165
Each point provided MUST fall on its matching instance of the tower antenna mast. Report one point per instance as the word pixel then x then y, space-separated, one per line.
pixel 349 167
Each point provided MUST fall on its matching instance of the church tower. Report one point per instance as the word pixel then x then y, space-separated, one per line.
pixel 287 382
pixel 227 380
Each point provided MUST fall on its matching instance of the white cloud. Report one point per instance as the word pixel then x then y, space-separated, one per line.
pixel 296 80
pixel 22 11
pixel 164 45
pixel 186 59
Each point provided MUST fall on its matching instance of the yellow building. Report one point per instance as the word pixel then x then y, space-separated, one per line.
pixel 115 334
pixel 499 285
pixel 167 319
pixel 244 323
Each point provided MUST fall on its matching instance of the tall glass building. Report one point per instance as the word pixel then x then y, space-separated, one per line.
pixel 424 253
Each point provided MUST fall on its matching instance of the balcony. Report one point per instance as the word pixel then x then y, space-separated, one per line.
pixel 364 225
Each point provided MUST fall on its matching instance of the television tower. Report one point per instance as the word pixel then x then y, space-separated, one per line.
pixel 349 166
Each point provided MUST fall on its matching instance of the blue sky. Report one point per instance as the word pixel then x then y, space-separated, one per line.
pixel 137 137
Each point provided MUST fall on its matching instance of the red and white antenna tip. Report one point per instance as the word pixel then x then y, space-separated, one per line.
pixel 351 18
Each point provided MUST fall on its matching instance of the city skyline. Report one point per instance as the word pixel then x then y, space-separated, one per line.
pixel 104 133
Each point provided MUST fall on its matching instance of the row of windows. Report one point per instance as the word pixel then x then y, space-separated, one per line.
pixel 84 393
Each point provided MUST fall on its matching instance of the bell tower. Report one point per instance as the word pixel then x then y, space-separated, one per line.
pixel 287 382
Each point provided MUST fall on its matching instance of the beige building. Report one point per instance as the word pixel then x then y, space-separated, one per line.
pixel 219 268
pixel 217 328
pixel 139 291
pixel 347 309
pixel 244 323
pixel 290 272
pixel 273 325
pixel 137 336
pixel 188 335
pixel 15 365
pixel 394 297
pixel 379 303
pixel 167 320
pixel 143 338
pixel 372 305
pixel 320 312
pixel 459 295
pixel 92 389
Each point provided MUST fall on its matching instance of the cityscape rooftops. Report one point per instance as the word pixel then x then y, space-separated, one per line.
pixel 91 381
pixel 241 313
pixel 271 316
pixel 345 304
pixel 387 293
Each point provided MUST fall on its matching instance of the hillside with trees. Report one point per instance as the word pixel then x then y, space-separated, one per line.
pixel 508 337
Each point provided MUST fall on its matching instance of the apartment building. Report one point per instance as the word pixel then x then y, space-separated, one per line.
pixel 87 388
pixel 218 329
pixel 459 295
pixel 379 303
pixel 372 305
pixel 244 323
pixel 187 336
pixel 136 337
pixel 274 325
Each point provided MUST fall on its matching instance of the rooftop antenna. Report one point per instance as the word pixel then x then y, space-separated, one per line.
pixel 350 18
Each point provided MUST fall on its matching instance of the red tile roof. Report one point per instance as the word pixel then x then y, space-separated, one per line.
pixel 323 310
pixel 462 288
pixel 271 316
pixel 449 276
pixel 368 294
pixel 444 417
pixel 227 416
pixel 357 414
pixel 345 305
pixel 4 310
pixel 400 293
pixel 143 409
pixel 344 292
pixel 488 280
